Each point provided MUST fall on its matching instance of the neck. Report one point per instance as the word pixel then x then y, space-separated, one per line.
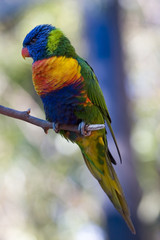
pixel 59 45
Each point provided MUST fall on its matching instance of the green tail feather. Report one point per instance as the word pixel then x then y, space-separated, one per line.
pixel 114 139
pixel 101 168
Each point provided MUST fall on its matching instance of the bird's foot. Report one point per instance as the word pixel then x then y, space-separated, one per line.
pixel 56 127
pixel 82 129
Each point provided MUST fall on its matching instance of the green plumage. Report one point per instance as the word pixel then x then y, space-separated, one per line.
pixel 59 45
pixel 95 94
pixel 95 148
pixel 72 93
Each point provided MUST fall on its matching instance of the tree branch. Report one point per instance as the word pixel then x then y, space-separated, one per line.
pixel 45 125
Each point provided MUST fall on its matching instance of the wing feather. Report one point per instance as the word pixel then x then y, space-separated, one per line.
pixel 96 96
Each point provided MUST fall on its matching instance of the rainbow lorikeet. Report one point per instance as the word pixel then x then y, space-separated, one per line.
pixel 71 94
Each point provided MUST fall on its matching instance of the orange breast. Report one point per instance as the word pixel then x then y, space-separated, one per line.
pixel 55 73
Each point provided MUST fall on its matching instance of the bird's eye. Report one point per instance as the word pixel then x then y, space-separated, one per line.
pixel 33 40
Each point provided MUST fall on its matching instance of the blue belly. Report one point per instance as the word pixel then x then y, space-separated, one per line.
pixel 60 106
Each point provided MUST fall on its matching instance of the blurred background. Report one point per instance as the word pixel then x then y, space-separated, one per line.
pixel 46 191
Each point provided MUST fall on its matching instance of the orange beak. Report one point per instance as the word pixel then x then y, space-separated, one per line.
pixel 25 53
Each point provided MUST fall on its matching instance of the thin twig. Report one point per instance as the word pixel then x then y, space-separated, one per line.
pixel 45 125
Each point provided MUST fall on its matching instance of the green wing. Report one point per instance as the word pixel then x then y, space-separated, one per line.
pixel 96 96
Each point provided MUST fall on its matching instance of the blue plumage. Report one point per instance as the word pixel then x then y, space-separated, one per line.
pixel 71 94
pixel 39 35
pixel 60 106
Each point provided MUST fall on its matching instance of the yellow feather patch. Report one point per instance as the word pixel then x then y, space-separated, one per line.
pixel 101 141
pixel 54 37
pixel 55 73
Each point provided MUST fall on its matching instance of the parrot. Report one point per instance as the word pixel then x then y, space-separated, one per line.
pixel 71 95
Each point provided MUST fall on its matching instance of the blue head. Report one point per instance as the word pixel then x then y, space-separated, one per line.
pixel 45 41
pixel 36 41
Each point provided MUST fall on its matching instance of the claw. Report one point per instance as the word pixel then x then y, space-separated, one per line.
pixel 56 127
pixel 82 129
